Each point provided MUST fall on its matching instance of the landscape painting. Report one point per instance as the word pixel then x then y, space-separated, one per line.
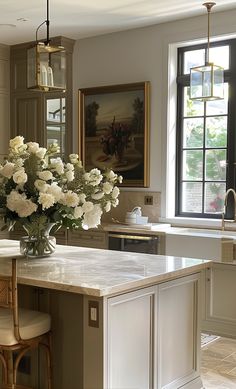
pixel 114 131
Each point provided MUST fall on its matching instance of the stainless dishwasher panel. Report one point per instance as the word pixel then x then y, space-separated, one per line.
pixel 133 243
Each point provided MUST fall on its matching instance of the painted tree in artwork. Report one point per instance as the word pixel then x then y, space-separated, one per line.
pixel 137 124
pixel 91 111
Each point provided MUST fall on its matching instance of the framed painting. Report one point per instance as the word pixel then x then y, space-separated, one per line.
pixel 114 130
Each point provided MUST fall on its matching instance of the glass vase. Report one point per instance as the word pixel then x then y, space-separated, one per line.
pixel 40 244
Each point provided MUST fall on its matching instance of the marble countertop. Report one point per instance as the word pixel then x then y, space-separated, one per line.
pixel 96 272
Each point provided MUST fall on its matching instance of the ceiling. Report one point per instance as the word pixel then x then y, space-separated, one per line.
pixel 84 18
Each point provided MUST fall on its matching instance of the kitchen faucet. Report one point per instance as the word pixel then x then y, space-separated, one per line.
pixel 230 190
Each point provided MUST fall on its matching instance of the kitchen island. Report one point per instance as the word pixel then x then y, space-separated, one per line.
pixel 120 320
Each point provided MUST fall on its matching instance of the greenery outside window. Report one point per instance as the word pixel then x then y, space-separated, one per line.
pixel 205 136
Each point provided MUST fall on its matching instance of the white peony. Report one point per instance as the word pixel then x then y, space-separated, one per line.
pixel 70 199
pixel 33 147
pixel 78 212
pixel 12 199
pixel 115 202
pixel 41 152
pixel 87 206
pixel 20 177
pixel 92 218
pixel 55 190
pixel 41 185
pixel 115 192
pixel 46 200
pixel 7 170
pixel 107 187
pixel 25 208
pixel 16 142
pixel 46 175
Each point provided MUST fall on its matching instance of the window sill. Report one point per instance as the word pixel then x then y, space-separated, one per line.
pixel 193 222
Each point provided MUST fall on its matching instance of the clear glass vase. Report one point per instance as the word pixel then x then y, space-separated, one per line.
pixel 39 244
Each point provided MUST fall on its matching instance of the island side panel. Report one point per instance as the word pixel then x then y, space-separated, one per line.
pixel 92 343
pixel 178 362
pixel 129 345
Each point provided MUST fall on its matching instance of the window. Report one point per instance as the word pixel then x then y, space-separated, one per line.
pixel 205 136
pixel 56 123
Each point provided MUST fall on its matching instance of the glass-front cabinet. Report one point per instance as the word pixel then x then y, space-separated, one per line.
pixel 56 122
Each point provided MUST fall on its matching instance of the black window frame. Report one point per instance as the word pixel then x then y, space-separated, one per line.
pixel 183 80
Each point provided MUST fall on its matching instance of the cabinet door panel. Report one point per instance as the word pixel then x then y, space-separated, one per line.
pixel 178 332
pixel 130 340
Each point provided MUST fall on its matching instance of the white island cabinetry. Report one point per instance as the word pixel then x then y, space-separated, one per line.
pixel 153 337
pixel 119 320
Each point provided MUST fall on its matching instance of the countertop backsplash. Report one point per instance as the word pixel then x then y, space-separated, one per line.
pixel 130 199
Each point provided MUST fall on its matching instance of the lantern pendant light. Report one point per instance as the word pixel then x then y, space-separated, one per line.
pixel 46 64
pixel 207 81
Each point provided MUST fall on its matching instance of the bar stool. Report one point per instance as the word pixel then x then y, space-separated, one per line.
pixel 20 330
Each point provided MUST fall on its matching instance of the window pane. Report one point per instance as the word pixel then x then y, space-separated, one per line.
pixel 192 107
pixel 53 110
pixel 192 197
pixel 193 58
pixel 220 56
pixel 193 133
pixel 218 107
pixel 192 165
pixel 216 131
pixel 215 165
pixel 214 197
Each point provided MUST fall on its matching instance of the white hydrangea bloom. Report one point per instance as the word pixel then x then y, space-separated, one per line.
pixel 7 170
pixel 47 200
pixel 58 166
pixel 46 175
pixel 20 177
pixel 92 218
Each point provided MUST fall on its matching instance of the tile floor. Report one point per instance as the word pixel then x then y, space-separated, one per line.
pixel 218 367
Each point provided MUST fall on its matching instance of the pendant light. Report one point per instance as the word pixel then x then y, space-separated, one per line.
pixel 46 64
pixel 207 81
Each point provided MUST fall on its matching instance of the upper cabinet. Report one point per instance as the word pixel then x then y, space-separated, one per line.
pixel 40 116
pixel 4 100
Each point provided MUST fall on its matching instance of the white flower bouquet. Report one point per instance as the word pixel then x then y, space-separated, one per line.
pixel 37 188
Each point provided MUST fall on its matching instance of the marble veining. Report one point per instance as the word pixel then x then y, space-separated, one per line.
pixel 96 272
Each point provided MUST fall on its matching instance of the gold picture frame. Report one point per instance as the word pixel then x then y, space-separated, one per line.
pixel 114 130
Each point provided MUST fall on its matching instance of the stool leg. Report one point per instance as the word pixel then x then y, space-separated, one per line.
pixel 17 361
pixel 48 351
pixel 4 367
